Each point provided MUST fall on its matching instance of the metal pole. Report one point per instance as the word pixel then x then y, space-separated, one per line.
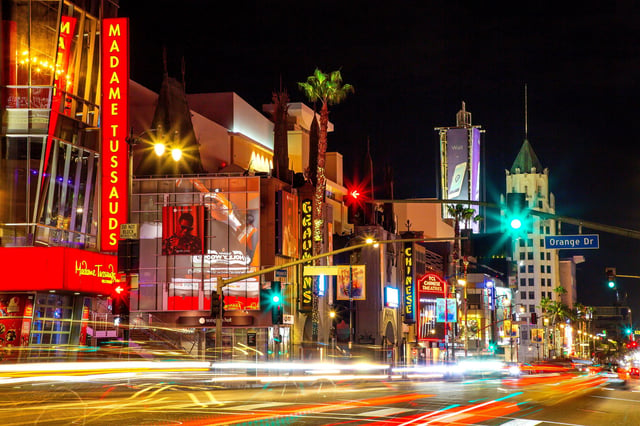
pixel 350 308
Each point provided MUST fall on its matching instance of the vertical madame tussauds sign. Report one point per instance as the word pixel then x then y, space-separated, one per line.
pixel 115 124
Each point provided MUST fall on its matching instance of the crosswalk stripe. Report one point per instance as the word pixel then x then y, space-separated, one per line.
pixel 384 412
pixel 259 406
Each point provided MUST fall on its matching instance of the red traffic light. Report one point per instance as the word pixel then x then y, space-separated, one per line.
pixel 119 290
pixel 354 194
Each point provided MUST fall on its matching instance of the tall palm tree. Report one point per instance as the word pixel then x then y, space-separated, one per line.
pixel 460 213
pixel 328 89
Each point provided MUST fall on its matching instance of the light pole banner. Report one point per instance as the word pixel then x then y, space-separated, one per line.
pixel 450 311
pixel 351 282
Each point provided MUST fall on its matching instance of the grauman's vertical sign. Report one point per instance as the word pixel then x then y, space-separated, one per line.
pixel 409 292
pixel 115 123
pixel 306 302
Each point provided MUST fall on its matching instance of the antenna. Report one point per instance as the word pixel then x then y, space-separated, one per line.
pixel 526 114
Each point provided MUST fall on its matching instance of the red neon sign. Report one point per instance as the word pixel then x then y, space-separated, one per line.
pixel 115 123
pixel 62 79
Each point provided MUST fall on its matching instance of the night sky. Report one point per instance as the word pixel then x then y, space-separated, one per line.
pixel 412 63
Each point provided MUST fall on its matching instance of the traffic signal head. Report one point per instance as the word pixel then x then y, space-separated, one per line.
pixel 217 305
pixel 517 219
pixel 611 277
pixel 492 346
pixel 276 303
pixel 628 331
pixel 120 299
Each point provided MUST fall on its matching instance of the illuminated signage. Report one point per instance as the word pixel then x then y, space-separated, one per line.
pixel 115 123
pixel 391 297
pixel 409 294
pixel 306 303
pixel 431 283
pixel 61 78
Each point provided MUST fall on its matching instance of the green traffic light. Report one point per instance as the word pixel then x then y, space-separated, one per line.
pixel 515 223
pixel 612 284
pixel 628 331
pixel 275 298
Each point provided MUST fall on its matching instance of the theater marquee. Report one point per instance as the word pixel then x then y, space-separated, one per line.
pixel 115 124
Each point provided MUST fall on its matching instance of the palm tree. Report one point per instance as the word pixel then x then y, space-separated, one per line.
pixel 328 90
pixel 556 312
pixel 460 213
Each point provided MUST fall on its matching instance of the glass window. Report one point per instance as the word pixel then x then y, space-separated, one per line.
pixel 521 255
pixel 523 269
pixel 531 282
pixel 530 255
pixel 521 242
pixel 542 269
pixel 549 294
pixel 532 295
pixel 523 295
pixel 542 295
pixel 541 242
pixel 543 282
pixel 529 242
pixel 532 308
pixel 523 282
pixel 548 269
pixel 530 269
pixel 541 255
pixel 548 256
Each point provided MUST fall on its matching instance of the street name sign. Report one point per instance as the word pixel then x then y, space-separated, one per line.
pixel 572 241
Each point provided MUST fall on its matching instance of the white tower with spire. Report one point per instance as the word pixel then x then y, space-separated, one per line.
pixel 537 267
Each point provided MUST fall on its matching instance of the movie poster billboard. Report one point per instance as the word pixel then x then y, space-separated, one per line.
pixel 231 246
pixel 182 230
pixel 351 282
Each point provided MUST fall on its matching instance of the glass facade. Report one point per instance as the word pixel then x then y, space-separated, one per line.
pixel 49 140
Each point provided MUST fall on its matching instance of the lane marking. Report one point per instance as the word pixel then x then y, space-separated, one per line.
pixel 384 412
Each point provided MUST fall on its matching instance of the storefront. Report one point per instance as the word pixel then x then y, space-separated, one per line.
pixel 48 294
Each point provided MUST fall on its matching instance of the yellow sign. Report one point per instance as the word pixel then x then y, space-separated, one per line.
pixel 320 270
pixel 129 231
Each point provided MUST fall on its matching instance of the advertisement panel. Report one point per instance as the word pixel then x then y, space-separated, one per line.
pixel 351 282
pixel 228 224
pixel 457 158
pixel 430 288
pixel 182 230
pixel 448 310
pixel 475 174
pixel 289 224
pixel 114 155
pixel 16 310
pixel 431 283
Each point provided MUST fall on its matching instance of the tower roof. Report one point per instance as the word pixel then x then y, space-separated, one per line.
pixel 526 160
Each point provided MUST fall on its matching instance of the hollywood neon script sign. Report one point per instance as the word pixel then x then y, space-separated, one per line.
pixel 107 276
pixel 115 123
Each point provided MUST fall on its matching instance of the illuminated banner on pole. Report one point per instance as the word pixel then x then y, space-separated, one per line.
pixel 409 291
pixel 306 302
pixel 115 123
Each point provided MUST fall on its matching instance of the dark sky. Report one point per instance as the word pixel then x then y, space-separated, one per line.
pixel 412 63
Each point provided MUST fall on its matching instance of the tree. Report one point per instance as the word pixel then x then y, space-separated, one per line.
pixel 460 213
pixel 328 89
pixel 280 141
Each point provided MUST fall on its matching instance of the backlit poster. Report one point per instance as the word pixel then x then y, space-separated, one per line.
pixel 182 230
pixel 457 164
pixel 351 282
pixel 230 232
